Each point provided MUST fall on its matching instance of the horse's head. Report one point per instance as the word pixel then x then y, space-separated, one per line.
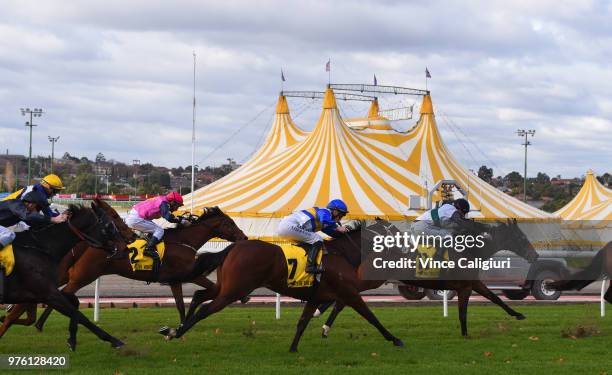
pixel 92 225
pixel 509 236
pixel 220 225
pixel 126 233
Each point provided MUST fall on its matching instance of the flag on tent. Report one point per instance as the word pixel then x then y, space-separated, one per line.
pixel 282 76
pixel 427 75
pixel 328 65
pixel 375 81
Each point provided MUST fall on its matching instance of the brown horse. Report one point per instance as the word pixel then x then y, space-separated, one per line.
pixel 601 265
pixel 86 264
pixel 37 254
pixel 504 237
pixel 253 264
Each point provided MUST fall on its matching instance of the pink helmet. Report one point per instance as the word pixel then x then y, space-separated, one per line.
pixel 174 197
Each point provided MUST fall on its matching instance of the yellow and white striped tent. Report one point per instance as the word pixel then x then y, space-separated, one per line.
pixel 374 170
pixel 593 202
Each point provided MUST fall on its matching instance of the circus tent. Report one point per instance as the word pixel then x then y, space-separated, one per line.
pixel 375 170
pixel 593 202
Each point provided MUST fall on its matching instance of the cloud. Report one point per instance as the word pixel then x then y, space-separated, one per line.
pixel 116 77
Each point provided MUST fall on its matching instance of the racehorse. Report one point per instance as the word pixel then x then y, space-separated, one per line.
pixel 252 264
pixel 37 254
pixel 601 265
pixel 89 263
pixel 505 236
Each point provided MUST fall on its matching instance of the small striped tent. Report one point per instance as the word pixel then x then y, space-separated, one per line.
pixel 593 202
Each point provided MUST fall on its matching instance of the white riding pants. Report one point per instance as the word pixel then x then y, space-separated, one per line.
pixel 134 221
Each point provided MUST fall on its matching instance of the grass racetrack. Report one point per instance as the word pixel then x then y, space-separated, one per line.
pixel 561 339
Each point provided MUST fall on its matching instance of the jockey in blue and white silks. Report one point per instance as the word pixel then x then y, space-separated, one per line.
pixel 303 226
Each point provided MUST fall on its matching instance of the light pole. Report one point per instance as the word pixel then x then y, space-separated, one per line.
pixel 53 140
pixel 525 133
pixel 36 112
pixel 135 164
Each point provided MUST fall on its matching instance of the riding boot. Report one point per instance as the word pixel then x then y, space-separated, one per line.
pixel 151 251
pixel 311 260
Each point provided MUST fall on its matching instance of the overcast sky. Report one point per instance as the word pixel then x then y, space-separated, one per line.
pixel 117 76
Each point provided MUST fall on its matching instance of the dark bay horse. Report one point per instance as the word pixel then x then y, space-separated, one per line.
pixel 505 236
pixel 601 265
pixel 179 259
pixel 37 254
pixel 252 264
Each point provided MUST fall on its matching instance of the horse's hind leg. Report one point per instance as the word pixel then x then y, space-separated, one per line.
pixel 482 289
pixel 463 295
pixel 309 309
pixel 355 301
pixel 338 307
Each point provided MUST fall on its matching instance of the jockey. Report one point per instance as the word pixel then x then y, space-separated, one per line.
pixel 27 210
pixel 302 226
pixel 46 189
pixel 445 221
pixel 141 215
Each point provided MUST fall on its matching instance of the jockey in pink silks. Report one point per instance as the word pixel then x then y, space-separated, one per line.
pixel 141 218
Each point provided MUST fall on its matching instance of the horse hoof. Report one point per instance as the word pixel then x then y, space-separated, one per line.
pixel 71 345
pixel 317 313
pixel 39 328
pixel 292 350
pixel 398 342
pixel 245 299
pixel 325 331
pixel 520 317
pixel 118 344
pixel 165 330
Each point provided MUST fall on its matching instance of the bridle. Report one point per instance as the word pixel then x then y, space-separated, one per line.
pixel 92 242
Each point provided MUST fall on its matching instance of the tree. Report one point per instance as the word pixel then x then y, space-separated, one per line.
pixel 100 158
pixel 485 173
pixel 542 178
pixel 513 179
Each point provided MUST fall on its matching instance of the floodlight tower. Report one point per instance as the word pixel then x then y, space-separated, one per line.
pixel 53 140
pixel 525 133
pixel 36 112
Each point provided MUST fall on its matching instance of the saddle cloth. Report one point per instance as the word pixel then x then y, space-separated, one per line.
pixel 297 277
pixel 422 254
pixel 138 260
pixel 7 259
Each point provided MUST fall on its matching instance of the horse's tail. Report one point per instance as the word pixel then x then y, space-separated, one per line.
pixel 208 262
pixel 582 278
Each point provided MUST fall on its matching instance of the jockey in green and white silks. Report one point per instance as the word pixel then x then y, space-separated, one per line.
pixel 446 220
pixel 303 226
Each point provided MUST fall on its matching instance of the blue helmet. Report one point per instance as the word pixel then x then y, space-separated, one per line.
pixel 337 204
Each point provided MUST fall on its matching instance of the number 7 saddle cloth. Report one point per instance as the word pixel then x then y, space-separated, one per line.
pixel 297 277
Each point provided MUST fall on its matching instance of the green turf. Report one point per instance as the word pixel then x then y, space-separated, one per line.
pixel 248 340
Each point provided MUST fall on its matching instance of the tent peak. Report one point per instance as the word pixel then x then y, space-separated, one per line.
pixel 426 106
pixel 374 109
pixel 329 102
pixel 281 106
